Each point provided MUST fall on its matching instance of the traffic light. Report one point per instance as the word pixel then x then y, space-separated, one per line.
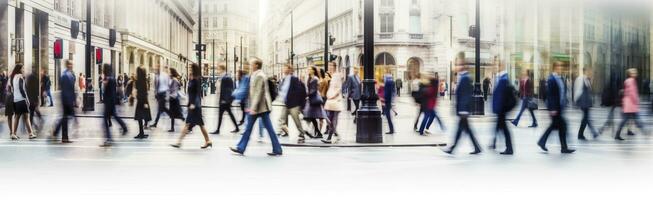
pixel 200 47
pixel 332 40
pixel 473 31
pixel 332 58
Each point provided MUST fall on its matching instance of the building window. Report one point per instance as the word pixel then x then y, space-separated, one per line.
pixel 224 22
pixel 215 22
pixel 415 17
pixel 387 23
pixel 57 5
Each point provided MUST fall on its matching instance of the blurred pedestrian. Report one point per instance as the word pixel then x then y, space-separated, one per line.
pixel 583 97
pixel 323 86
pixel 20 102
pixel 9 105
pixel 428 103
pixel 313 109
pixel 387 100
pixel 142 113
pixel 101 86
pixel 464 104
pixel 333 104
pixel 526 95
pixel 503 101
pixel 46 86
pixel 174 100
pixel 194 117
pixel 111 99
pixel 243 93
pixel 161 87
pixel 417 88
pixel 610 97
pixel 260 106
pixel 292 93
pixel 353 88
pixel 32 84
pixel 68 101
pixel 630 102
pixel 120 89
pixel 3 86
pixel 399 85
pixel 486 87
pixel 556 100
pixel 225 98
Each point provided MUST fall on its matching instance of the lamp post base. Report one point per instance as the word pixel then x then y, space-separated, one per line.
pixel 88 101
pixel 369 126
pixel 479 101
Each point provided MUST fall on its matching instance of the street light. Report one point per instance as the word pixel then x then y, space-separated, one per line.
pixel 368 117
pixel 89 96
pixel 326 34
pixel 479 102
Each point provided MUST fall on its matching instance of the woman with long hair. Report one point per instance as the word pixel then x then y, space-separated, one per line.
pixel 20 101
pixel 194 117
pixel 333 105
pixel 313 109
pixel 174 99
pixel 142 114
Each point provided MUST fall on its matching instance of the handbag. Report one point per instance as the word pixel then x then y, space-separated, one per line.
pixel 532 104
pixel 316 100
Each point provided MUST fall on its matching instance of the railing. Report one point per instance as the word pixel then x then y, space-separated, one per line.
pixel 416 36
pixel 386 35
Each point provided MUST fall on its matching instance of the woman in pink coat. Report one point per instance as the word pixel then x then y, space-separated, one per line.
pixel 630 102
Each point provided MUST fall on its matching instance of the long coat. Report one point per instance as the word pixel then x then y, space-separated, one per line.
pixel 260 100
pixel 334 104
pixel 630 101
pixel 313 111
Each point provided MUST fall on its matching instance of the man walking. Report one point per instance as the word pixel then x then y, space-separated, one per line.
pixel 526 94
pixel 388 97
pixel 260 106
pixel 503 101
pixel 161 86
pixel 353 88
pixel 292 93
pixel 464 103
pixel 486 87
pixel 583 97
pixel 226 98
pixel 110 101
pixel 399 84
pixel 556 100
pixel 68 101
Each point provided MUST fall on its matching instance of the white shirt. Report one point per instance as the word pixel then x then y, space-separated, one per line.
pixel 15 83
pixel 163 82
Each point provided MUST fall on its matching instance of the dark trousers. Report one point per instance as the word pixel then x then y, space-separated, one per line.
pixel 429 116
pixel 225 108
pixel 348 104
pixel 267 124
pixel 557 123
pixel 628 117
pixel 609 121
pixel 109 113
pixel 524 106
pixel 46 94
pixel 68 111
pixel 502 127
pixel 419 113
pixel 357 103
pixel 463 126
pixel 387 111
pixel 161 101
pixel 243 104
pixel 398 92
pixel 586 123
pixel 485 93
pixel 333 125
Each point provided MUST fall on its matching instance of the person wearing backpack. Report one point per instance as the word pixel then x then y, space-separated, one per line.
pixel 503 101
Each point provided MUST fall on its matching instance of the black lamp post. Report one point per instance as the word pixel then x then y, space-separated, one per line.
pixel 479 102
pixel 213 67
pixel 292 42
pixel 368 117
pixel 89 95
pixel 325 59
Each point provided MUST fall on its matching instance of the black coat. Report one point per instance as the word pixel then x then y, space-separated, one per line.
pixel 226 90
pixel 110 96
pixel 296 93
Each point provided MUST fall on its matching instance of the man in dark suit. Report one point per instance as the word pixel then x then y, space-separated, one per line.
pixel 293 94
pixel 526 94
pixel 583 97
pixel 110 101
pixel 46 86
pixel 353 88
pixel 399 84
pixel 500 106
pixel 486 87
pixel 68 98
pixel 556 100
pixel 464 103
pixel 226 90
pixel 388 96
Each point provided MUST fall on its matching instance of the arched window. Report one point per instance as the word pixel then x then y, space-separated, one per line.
pixel 385 59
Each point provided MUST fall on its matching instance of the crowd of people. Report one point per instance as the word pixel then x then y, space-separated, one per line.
pixel 315 99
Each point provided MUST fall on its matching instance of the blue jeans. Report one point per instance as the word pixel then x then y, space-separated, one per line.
pixel 267 123
pixel 524 106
